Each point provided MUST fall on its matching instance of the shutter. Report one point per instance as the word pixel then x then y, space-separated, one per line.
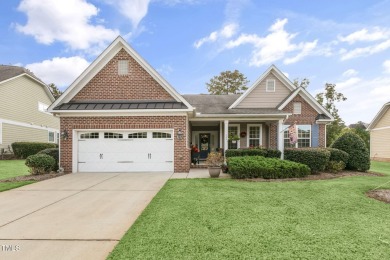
pixel 314 135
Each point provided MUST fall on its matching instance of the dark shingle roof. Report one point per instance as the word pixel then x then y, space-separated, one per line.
pixel 322 116
pixel 121 104
pixel 219 104
pixel 7 72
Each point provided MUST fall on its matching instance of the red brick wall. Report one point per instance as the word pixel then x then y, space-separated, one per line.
pixel 273 135
pixel 307 117
pixel 182 152
pixel 108 85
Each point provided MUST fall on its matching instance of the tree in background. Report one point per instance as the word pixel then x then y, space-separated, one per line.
pixel 54 90
pixel 328 100
pixel 303 83
pixel 228 82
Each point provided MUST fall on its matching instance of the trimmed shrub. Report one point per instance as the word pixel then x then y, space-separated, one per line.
pixel 337 161
pixel 267 168
pixel 359 156
pixel 25 149
pixel 335 166
pixel 315 158
pixel 269 153
pixel 40 163
pixel 338 155
pixel 53 152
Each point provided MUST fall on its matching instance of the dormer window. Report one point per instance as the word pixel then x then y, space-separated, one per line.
pixel 270 85
pixel 123 67
pixel 297 109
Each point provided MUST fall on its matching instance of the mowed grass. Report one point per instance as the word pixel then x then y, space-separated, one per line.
pixel 229 219
pixel 12 185
pixel 12 168
pixel 382 167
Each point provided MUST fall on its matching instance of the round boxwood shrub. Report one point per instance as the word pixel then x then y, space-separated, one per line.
pixel 337 161
pixel 315 158
pixel 40 163
pixel 359 156
pixel 24 149
pixel 53 152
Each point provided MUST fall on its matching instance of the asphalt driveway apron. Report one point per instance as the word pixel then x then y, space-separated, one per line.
pixel 76 216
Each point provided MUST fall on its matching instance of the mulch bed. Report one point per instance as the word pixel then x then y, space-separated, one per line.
pixel 382 195
pixel 320 176
pixel 40 177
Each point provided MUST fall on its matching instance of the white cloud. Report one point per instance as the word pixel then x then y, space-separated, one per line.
pixel 364 98
pixel 366 36
pixel 165 69
pixel 350 73
pixel 225 33
pixel 386 65
pixel 60 71
pixel 366 51
pixel 274 46
pixel 134 10
pixel 65 21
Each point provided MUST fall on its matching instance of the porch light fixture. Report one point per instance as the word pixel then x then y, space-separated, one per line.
pixel 179 134
pixel 64 135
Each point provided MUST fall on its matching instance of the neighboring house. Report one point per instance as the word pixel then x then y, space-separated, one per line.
pixel 380 135
pixel 120 115
pixel 24 100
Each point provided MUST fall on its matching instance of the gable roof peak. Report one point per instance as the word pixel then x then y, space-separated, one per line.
pixel 278 73
pixel 117 45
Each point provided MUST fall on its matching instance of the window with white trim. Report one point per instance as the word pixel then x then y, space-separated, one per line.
pixel 51 137
pixel 108 135
pixel 233 131
pixel 123 67
pixel 139 135
pixel 304 137
pixel 270 85
pixel 89 136
pixel 254 135
pixel 297 108
pixel 161 135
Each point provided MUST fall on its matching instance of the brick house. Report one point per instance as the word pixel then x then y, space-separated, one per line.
pixel 120 115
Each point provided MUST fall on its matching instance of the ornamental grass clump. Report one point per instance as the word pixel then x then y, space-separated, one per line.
pixel 214 159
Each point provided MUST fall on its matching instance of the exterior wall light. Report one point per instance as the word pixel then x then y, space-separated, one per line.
pixel 64 135
pixel 179 134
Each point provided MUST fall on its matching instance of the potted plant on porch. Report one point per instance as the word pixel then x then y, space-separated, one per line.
pixel 214 161
pixel 234 138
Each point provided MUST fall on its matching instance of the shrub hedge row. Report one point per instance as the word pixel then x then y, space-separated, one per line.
pixel 269 153
pixel 24 149
pixel 316 158
pixel 267 168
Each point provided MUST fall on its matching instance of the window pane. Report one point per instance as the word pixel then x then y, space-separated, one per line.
pixel 138 135
pixel 113 135
pixel 89 136
pixel 161 135
pixel 123 67
pixel 254 142
pixel 51 136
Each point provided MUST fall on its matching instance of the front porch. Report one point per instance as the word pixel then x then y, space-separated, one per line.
pixel 220 135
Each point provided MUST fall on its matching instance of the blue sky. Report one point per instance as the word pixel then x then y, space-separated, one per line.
pixel 189 41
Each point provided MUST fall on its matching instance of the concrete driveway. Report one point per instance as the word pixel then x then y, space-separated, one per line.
pixel 76 216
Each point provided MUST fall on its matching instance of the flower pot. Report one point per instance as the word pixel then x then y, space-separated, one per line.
pixel 234 141
pixel 214 171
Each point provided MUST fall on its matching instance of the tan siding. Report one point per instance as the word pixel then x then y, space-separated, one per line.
pixel 384 121
pixel 19 102
pixel 259 98
pixel 380 140
pixel 13 133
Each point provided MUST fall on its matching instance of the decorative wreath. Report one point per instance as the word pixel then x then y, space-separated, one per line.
pixel 243 134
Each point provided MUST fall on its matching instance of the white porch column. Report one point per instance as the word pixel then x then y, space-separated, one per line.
pixel 220 134
pixel 281 138
pixel 225 135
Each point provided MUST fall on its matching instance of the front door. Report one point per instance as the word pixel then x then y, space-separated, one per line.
pixel 204 140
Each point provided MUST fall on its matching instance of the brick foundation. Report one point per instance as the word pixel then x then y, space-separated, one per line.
pixel 181 151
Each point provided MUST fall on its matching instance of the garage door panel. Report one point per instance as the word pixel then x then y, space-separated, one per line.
pixel 125 155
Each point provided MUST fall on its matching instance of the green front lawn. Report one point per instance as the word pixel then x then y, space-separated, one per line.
pixel 382 167
pixel 229 219
pixel 12 168
pixel 12 185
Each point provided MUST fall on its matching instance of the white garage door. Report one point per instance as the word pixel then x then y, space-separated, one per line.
pixel 125 151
